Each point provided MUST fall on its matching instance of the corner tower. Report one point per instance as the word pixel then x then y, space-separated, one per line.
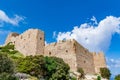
pixel 31 42
pixel 99 61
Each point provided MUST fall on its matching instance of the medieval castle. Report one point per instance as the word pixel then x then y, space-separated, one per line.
pixel 32 42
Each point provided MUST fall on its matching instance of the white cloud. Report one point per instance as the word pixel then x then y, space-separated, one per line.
pixel 5 19
pixel 94 20
pixel 95 38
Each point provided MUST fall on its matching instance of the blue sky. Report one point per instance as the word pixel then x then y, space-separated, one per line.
pixel 96 21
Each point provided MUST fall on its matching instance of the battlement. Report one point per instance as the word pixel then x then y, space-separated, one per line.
pixel 60 42
pixel 99 54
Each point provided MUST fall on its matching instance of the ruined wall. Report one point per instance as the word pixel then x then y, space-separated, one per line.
pixel 64 50
pixel 31 42
pixel 99 61
pixel 84 59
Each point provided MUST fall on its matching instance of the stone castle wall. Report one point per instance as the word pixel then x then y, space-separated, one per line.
pixel 64 50
pixel 31 42
pixel 72 53
pixel 84 59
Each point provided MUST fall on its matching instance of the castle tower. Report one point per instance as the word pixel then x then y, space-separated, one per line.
pixel 31 42
pixel 99 61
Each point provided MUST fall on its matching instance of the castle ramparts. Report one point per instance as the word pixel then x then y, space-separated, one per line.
pixel 32 42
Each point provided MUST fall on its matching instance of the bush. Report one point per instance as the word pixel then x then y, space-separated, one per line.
pixel 6 76
pixel 33 65
pixel 9 50
pixel 105 73
pixel 56 68
pixel 73 78
pixel 117 77
pixel 98 78
pixel 8 46
pixel 6 64
pixel 50 68
pixel 6 68
pixel 81 71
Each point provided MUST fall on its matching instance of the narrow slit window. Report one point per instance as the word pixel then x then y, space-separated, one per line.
pixel 49 53
pixel 66 51
pixel 40 38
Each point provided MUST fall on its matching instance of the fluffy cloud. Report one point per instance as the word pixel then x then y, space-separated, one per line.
pixel 95 37
pixel 5 19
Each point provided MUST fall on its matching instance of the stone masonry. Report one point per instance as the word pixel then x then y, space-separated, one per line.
pixel 32 42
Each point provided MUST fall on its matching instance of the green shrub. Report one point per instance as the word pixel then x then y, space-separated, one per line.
pixel 9 50
pixel 33 65
pixel 6 64
pixel 117 77
pixel 73 78
pixel 9 46
pixel 98 78
pixel 50 68
pixel 56 68
pixel 81 71
pixel 6 76
pixel 105 73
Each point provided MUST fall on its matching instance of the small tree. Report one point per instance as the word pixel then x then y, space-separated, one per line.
pixel 98 78
pixel 81 71
pixel 117 77
pixel 105 73
pixel 33 65
pixel 6 68
pixel 56 69
pixel 6 76
pixel 6 64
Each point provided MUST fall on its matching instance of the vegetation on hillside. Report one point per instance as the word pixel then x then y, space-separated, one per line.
pixel 6 68
pixel 49 68
pixel 10 51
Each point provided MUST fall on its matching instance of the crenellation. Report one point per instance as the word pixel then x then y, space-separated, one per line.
pixel 32 42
